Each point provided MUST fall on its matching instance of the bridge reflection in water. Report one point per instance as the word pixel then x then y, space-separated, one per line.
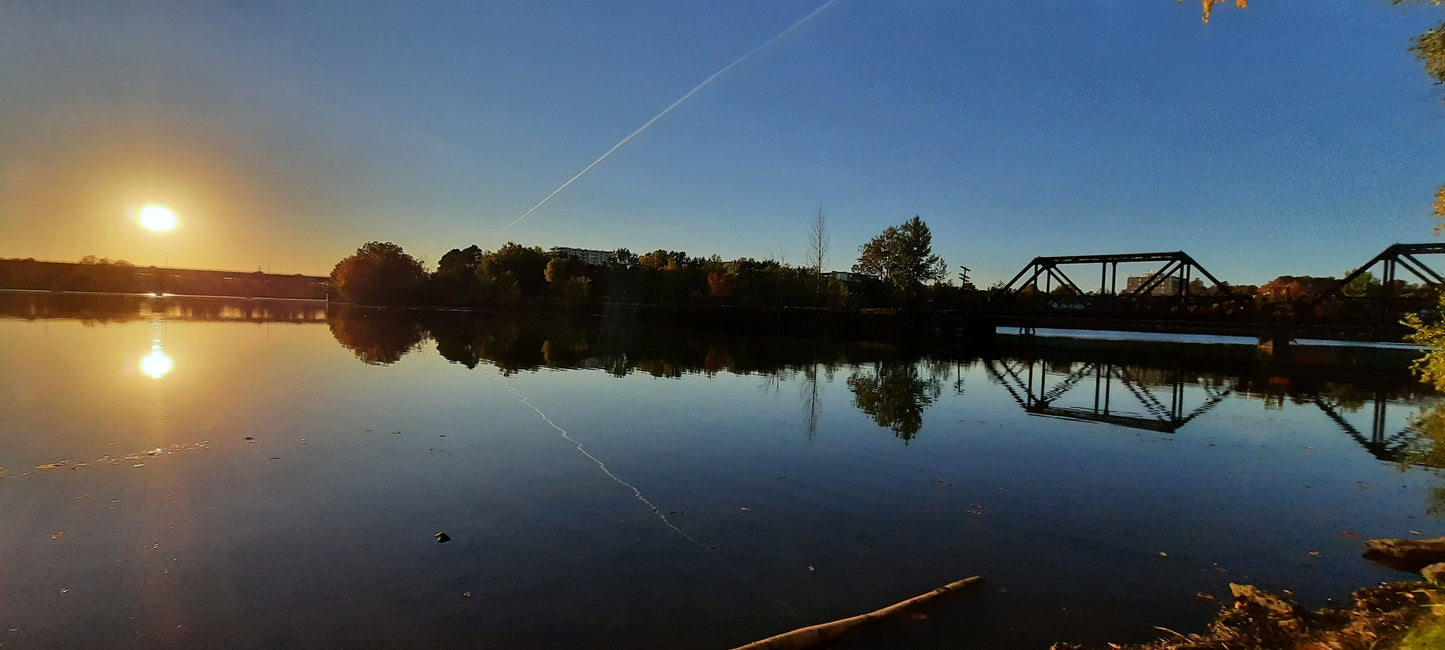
pixel 1135 397
pixel 1028 381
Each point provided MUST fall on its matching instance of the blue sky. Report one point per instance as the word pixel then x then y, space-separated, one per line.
pixel 1293 137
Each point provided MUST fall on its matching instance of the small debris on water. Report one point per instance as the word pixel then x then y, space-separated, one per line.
pixel 1415 532
pixel 64 590
pixel 745 509
pixel 975 509
pixel 250 439
pixel 443 538
pixel 810 567
pixel 1204 596
pixel 1347 534
pixel 1314 553
pixel 1163 554
pixel 57 535
pixel 466 594
pixel 139 465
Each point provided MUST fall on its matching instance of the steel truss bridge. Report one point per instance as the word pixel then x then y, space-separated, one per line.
pixel 1176 293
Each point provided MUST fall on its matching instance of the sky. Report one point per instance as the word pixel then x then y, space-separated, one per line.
pixel 1294 137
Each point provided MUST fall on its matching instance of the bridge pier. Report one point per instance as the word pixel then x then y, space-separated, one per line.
pixel 1275 342
pixel 980 330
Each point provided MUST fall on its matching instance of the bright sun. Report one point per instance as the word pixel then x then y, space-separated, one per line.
pixel 157 217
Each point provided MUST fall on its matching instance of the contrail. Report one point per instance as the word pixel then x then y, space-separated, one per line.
pixel 664 112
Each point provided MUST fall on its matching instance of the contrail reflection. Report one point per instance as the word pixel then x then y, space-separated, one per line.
pixel 664 112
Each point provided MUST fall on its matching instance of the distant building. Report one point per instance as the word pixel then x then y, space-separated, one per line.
pixel 587 255
pixel 1168 285
pixel 844 276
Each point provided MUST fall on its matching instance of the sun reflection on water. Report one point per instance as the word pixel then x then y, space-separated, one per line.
pixel 157 363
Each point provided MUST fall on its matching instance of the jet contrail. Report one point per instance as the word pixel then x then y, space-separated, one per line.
pixel 664 112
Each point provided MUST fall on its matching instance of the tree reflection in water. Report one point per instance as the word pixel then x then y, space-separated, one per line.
pixel 377 336
pixel 894 390
pixel 895 395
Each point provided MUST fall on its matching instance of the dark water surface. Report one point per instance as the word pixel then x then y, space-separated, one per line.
pixel 618 487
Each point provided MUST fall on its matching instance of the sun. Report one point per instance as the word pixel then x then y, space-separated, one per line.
pixel 157 217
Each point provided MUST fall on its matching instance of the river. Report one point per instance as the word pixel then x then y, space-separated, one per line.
pixel 204 473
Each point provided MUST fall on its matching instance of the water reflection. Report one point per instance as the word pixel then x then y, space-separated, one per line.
pixel 1029 382
pixel 893 388
pixel 95 309
pixel 1094 461
pixel 377 336
pixel 895 394
pixel 157 363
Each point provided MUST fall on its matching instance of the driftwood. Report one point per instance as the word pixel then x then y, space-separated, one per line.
pixel 819 635
pixel 1409 554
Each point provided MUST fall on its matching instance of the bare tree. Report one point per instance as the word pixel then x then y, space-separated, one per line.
pixel 818 244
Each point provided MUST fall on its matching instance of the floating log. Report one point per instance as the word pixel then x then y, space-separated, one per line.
pixel 825 633
pixel 1406 553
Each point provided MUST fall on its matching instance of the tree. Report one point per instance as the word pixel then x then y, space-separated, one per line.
pixel 818 244
pixel 526 267
pixel 1363 285
pixel 460 262
pixel 379 273
pixel 902 256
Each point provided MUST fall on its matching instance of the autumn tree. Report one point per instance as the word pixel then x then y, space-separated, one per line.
pixel 902 256
pixel 379 273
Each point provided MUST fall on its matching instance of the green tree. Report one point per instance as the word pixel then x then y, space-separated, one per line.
pixel 895 395
pixel 1364 285
pixel 902 256
pixel 379 273
pixel 527 267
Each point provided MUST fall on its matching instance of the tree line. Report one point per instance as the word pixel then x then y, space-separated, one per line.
pixel 896 268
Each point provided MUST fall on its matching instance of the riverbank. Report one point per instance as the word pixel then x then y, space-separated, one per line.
pixel 1391 616
pixel 1406 615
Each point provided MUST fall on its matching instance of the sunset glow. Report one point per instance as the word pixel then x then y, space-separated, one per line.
pixel 157 217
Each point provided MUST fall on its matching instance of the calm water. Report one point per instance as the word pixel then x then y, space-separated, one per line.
pixel 610 486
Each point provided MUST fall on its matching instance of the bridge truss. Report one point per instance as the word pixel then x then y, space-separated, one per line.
pixel 1049 272
pixel 1390 261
